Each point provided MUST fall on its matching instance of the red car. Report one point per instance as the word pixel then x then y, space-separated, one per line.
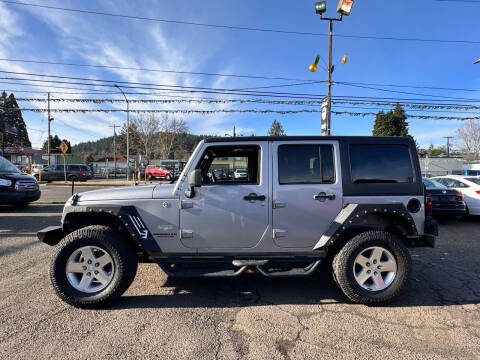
pixel 155 171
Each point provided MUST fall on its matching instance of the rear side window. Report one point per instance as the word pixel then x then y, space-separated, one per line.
pixel 306 164
pixel 73 168
pixel 376 163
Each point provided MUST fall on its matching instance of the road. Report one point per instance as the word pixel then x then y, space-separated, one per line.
pixel 243 318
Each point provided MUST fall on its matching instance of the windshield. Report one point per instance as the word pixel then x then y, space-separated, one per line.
pixel 7 167
pixel 475 180
pixel 430 183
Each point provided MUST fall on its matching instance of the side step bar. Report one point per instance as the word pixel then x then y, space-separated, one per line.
pixel 219 268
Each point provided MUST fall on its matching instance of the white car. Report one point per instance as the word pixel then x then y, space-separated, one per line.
pixel 469 186
pixel 240 174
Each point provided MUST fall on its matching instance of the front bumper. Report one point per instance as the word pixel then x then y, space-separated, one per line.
pixel 15 197
pixel 51 235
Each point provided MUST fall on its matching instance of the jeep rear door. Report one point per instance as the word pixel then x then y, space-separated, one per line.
pixel 307 191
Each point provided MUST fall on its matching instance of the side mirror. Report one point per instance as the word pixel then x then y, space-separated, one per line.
pixel 195 178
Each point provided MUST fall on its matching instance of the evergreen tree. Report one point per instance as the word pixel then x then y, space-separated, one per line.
pixel 55 142
pixel 392 123
pixel 276 129
pixel 12 115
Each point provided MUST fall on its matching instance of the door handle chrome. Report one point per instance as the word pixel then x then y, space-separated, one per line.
pixel 324 196
pixel 253 197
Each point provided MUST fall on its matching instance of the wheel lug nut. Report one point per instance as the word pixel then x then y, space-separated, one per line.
pixel 369 271
pixel 96 272
pixel 89 261
pixel 84 268
pixel 368 264
pixel 375 273
pixel 374 261
pixel 97 264
pixel 89 274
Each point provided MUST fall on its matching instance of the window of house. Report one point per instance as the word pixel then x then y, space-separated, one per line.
pixel 306 164
pixel 230 165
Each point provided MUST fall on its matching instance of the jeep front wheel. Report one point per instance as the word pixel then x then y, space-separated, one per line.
pixel 92 267
pixel 372 268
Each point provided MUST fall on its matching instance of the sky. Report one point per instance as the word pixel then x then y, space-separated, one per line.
pixel 32 33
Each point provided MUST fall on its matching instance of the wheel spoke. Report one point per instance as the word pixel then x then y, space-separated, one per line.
pixel 362 260
pixel 387 266
pixel 378 280
pixel 87 254
pixel 362 276
pixel 75 268
pixel 85 282
pixel 376 254
pixel 103 260
pixel 102 277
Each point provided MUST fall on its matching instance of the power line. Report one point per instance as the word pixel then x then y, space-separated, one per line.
pixel 153 70
pixel 227 75
pixel 230 27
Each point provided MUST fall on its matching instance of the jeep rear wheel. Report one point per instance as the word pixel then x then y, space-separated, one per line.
pixel 92 267
pixel 372 268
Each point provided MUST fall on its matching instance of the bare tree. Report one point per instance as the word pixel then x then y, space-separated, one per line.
pixel 170 128
pixel 147 127
pixel 469 134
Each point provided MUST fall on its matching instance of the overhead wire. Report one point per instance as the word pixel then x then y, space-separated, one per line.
pixel 231 27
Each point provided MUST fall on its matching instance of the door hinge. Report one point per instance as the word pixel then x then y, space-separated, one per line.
pixel 278 204
pixel 186 234
pixel 185 204
pixel 278 233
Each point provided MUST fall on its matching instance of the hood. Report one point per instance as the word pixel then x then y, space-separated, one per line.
pixel 119 193
pixel 15 176
pixel 163 191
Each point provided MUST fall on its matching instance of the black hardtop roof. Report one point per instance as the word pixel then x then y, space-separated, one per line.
pixel 350 139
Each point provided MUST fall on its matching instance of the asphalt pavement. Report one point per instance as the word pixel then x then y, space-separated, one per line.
pixel 249 317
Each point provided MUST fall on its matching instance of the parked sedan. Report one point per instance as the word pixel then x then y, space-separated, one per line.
pixel 470 188
pixel 445 201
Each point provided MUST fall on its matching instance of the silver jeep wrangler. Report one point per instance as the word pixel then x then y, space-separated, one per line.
pixel 279 206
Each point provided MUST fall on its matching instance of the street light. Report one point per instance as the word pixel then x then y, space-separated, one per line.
pixel 344 8
pixel 128 131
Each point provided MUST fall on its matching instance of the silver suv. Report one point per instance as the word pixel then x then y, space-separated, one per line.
pixel 354 202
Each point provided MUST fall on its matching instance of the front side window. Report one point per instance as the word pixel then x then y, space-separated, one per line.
pixel 380 163
pixel 226 165
pixel 306 164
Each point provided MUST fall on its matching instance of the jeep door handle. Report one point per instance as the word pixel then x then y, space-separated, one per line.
pixel 253 197
pixel 323 196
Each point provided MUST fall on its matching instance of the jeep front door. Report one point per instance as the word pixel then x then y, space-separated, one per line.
pixel 228 211
pixel 307 191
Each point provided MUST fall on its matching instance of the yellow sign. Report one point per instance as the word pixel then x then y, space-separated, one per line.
pixel 63 147
pixel 63 155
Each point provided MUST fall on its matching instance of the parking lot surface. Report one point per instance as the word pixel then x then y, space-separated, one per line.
pixel 250 317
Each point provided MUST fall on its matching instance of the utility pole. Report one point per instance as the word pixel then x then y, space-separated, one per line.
pixel 344 7
pixel 114 150
pixel 448 144
pixel 128 131
pixel 50 119
pixel 234 131
pixel 2 123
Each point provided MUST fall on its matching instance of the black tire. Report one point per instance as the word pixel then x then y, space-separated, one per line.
pixel 343 265
pixel 149 176
pixel 168 177
pixel 72 178
pixel 109 240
